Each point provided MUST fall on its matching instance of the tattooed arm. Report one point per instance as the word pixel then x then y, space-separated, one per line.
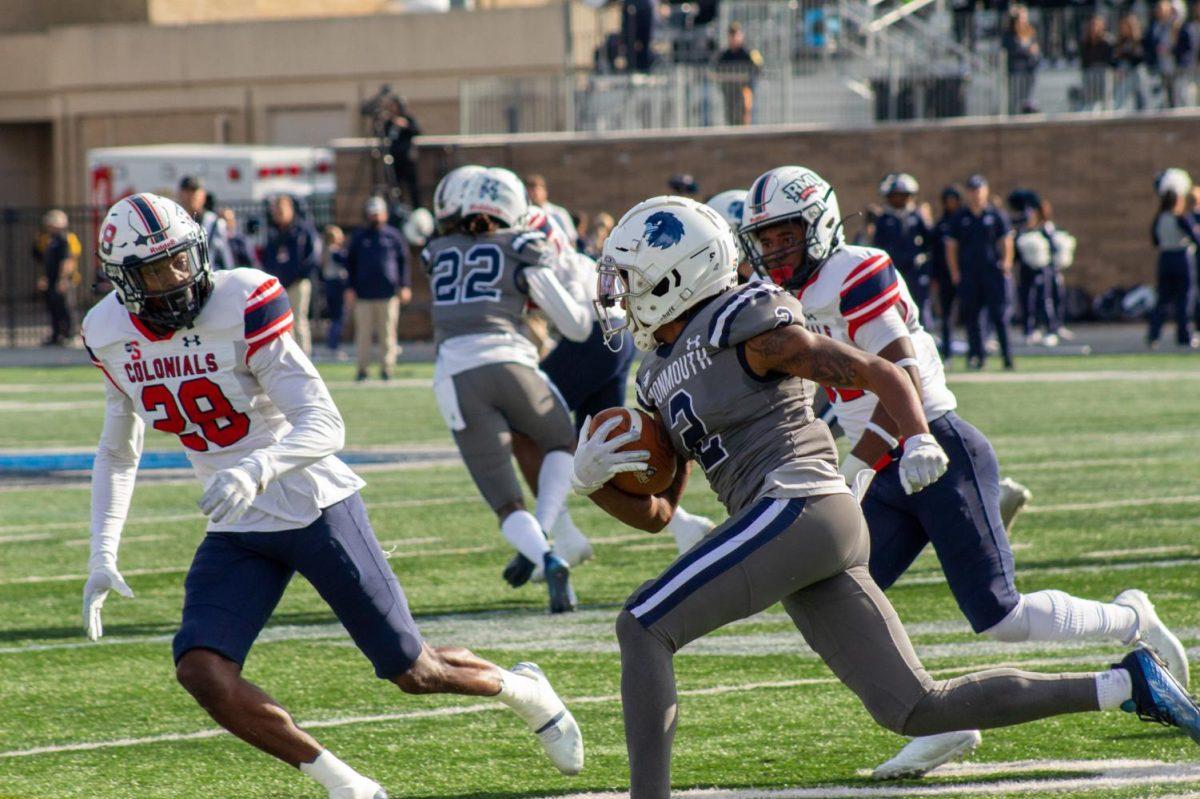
pixel 795 351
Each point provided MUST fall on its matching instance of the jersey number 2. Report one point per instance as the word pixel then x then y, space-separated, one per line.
pixel 484 262
pixel 204 405
pixel 704 448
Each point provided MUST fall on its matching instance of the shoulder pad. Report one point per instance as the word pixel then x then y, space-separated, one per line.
pixel 870 287
pixel 106 323
pixel 753 309
pixel 266 312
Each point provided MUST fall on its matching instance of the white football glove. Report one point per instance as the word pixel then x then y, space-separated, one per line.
pixel 858 475
pixel 597 459
pixel 101 579
pixel 924 461
pixel 228 495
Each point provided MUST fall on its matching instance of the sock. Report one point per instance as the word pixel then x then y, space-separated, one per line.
pixel 522 531
pixel 1113 688
pixel 554 484
pixel 525 697
pixel 330 772
pixel 564 531
pixel 1058 616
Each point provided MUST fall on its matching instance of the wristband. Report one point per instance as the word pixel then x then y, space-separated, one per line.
pixel 887 438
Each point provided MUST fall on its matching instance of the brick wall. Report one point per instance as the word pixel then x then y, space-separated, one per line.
pixel 1097 172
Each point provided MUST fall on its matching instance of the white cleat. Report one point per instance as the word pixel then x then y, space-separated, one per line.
pixel 922 755
pixel 1154 634
pixel 366 789
pixel 552 723
pixel 1013 498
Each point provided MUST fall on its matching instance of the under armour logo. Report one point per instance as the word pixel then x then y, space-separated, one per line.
pixel 693 343
pixel 190 340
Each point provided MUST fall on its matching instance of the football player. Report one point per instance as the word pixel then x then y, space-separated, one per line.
pixel 729 205
pixel 207 356
pixel 486 377
pixel 725 372
pixel 791 231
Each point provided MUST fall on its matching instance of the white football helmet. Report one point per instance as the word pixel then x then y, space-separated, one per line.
pixel 447 197
pixel 664 256
pixel 729 205
pixel 156 257
pixel 1174 180
pixel 796 195
pixel 498 193
pixel 899 183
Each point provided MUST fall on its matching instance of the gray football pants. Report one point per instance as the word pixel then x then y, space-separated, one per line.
pixel 811 555
pixel 496 400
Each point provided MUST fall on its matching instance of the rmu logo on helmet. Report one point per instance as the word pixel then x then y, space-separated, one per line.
pixel 663 230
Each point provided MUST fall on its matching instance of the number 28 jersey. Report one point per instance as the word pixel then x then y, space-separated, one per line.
pixel 204 384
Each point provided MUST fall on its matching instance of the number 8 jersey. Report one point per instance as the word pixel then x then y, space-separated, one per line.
pixel 224 387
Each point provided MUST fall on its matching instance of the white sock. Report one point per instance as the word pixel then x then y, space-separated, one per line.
pixel 524 696
pixel 1058 616
pixel 554 484
pixel 522 531
pixel 1113 687
pixel 330 772
pixel 565 530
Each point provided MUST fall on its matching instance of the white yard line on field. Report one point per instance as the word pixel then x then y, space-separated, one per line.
pixel 1072 377
pixel 1132 502
pixel 60 405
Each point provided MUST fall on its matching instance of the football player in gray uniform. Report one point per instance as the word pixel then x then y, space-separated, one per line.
pixel 725 374
pixel 486 378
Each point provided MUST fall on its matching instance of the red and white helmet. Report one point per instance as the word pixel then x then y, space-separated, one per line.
pixel 156 257
pixel 498 193
pixel 800 196
pixel 447 197
pixel 664 256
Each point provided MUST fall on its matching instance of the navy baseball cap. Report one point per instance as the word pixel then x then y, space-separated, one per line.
pixel 951 191
pixel 191 183
pixel 976 181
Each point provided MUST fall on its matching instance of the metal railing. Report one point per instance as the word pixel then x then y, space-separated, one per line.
pixel 24 316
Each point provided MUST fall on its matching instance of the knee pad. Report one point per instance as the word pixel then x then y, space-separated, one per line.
pixel 1014 627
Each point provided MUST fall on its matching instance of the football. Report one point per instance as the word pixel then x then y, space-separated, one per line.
pixel 651 437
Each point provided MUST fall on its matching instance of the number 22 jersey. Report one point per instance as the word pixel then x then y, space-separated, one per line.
pixel 224 386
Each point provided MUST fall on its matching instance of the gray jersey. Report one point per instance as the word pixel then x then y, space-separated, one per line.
pixel 477 282
pixel 753 436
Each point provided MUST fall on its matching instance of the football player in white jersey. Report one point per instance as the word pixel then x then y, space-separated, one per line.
pixel 729 205
pixel 792 232
pixel 208 357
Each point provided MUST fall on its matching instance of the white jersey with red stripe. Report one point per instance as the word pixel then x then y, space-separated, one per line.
pixel 206 385
pixel 853 287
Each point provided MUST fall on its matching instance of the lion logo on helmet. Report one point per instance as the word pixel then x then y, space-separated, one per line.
pixel 663 230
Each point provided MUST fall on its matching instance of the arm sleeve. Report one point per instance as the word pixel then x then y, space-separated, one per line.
pixel 113 474
pixel 881 331
pixel 570 317
pixel 293 385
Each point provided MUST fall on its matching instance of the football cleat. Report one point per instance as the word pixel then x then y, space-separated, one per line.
pixel 558 584
pixel 1154 634
pixel 1157 696
pixel 365 789
pixel 552 723
pixel 921 755
pixel 1013 498
pixel 518 571
pixel 572 545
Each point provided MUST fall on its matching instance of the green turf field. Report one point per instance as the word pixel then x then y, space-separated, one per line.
pixel 1107 444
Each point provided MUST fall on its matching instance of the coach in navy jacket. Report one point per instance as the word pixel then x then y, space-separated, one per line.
pixel 381 279
pixel 292 254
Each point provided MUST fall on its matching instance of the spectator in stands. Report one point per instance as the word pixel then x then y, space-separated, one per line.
pixel 979 253
pixel 1160 49
pixel 539 195
pixel 377 265
pixel 598 231
pixel 57 250
pixel 1020 42
pixel 1129 53
pixel 638 23
pixel 334 279
pixel 1187 56
pixel 1096 60
pixel 292 254
pixel 240 249
pixel 1176 240
pixel 195 200
pixel 400 130
pixel 737 72
pixel 684 186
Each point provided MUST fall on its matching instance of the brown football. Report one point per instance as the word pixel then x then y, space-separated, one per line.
pixel 653 438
